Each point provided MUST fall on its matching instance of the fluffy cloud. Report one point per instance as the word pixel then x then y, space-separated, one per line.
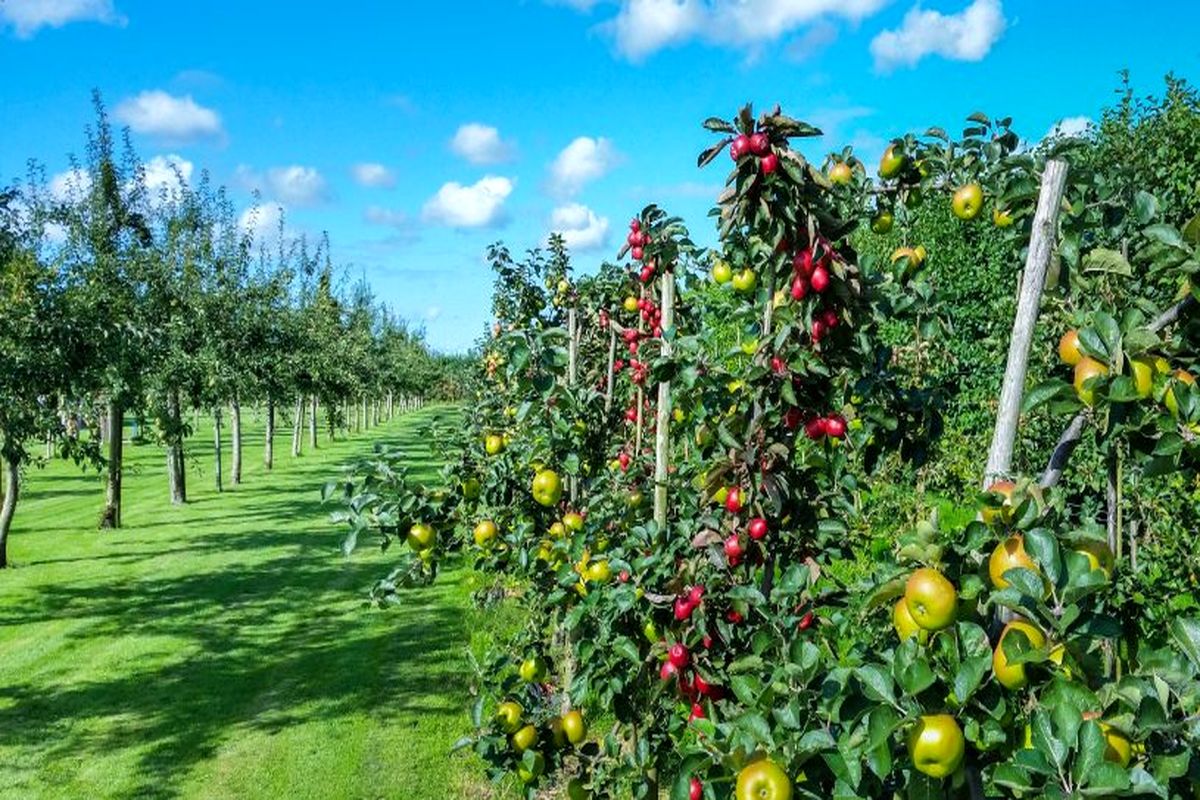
pixel 373 175
pixel 1070 127
pixel 580 227
pixel 263 221
pixel 28 16
pixel 70 185
pixel 476 206
pixel 481 144
pixel 580 162
pixel 642 27
pixel 175 119
pixel 164 173
pixel 965 36
pixel 295 184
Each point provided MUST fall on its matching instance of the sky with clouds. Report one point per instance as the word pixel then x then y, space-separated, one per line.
pixel 416 136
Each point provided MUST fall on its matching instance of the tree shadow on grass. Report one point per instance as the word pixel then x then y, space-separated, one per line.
pixel 261 648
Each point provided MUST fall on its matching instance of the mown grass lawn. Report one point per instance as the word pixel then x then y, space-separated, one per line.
pixel 222 649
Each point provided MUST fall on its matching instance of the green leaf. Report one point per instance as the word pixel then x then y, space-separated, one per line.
pixel 1185 632
pixel 1107 261
pixel 1045 392
pixel 1164 234
pixel 1043 547
pixel 876 683
pixel 1145 207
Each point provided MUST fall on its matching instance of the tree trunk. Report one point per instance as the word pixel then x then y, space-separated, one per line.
pixel 217 448
pixel 298 427
pixel 116 446
pixel 11 487
pixel 269 444
pixel 1041 247
pixel 235 445
pixel 366 421
pixel 312 423
pixel 176 472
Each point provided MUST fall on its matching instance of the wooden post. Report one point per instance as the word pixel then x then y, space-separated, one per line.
pixel 640 395
pixel 612 358
pixel 1041 248
pixel 662 431
pixel 572 376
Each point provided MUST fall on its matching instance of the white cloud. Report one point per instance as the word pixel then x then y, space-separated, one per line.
pixel 642 27
pixel 578 5
pixel 965 36
pixel 580 227
pixel 164 173
pixel 70 185
pixel 432 313
pixel 373 175
pixel 28 16
pixel 262 221
pixel 295 184
pixel 583 160
pixel 174 119
pixel 476 206
pixel 1070 127
pixel 481 144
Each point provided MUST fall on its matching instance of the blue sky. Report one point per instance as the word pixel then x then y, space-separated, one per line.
pixel 417 133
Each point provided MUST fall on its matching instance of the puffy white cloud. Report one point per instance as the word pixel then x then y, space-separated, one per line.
pixel 481 144
pixel 262 221
pixel 580 162
pixel 373 175
pixel 581 228
pixel 165 116
pixel 432 313
pixel 28 16
pixel 295 184
pixel 1070 127
pixel 476 206
pixel 70 185
pixel 965 36
pixel 642 27
pixel 165 173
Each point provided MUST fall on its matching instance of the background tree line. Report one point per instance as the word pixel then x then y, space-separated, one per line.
pixel 150 302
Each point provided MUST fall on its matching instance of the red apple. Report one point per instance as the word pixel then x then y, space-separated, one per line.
pixel 820 280
pixel 678 655
pixel 695 595
pixel 683 609
pixel 799 288
pixel 667 671
pixel 733 500
pixel 815 428
pixel 695 789
pixel 760 144
pixel 835 426
pixel 739 147
pixel 769 163
pixel 636 253
pixel 733 547
pixel 757 528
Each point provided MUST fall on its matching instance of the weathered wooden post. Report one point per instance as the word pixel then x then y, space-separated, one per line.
pixel 1041 248
pixel 662 431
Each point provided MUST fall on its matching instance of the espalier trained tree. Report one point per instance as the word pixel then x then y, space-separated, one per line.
pixel 735 638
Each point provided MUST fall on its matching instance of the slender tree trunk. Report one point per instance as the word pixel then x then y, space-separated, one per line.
pixel 176 472
pixel 11 487
pixel 298 427
pixel 269 444
pixel 366 422
pixel 116 446
pixel 217 448
pixel 662 429
pixel 235 433
pixel 312 423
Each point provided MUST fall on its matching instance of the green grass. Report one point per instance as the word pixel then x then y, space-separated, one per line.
pixel 222 649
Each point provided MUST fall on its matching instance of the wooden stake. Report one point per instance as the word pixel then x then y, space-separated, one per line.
pixel 662 431
pixel 1041 248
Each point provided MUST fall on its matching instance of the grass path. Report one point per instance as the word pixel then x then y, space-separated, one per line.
pixel 222 650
